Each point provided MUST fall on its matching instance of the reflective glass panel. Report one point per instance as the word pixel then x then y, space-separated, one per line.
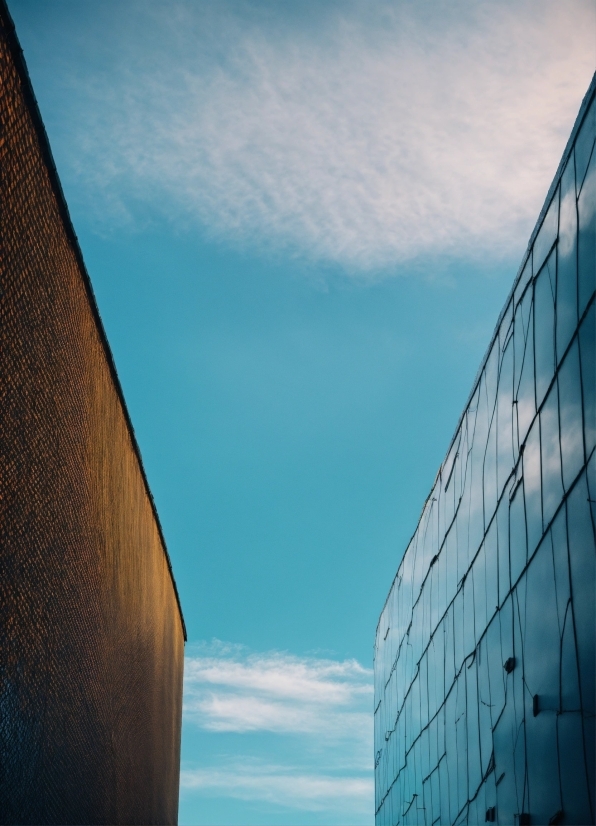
pixel 570 408
pixel 567 262
pixel 544 326
pixel 587 344
pixel 586 206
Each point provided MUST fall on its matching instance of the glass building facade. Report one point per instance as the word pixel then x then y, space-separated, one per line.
pixel 484 653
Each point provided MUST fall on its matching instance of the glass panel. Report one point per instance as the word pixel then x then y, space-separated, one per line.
pixel 478 576
pixel 449 649
pixel 462 740
pixel 586 206
pixel 503 543
pixel 541 635
pixel 504 740
pixel 570 406
pixel 532 486
pixel 491 556
pixel 584 144
pixel 544 327
pixel 570 697
pixel 517 533
pixel 469 639
pixel 567 262
pixel 552 482
pixel 524 367
pixel 547 234
pixel 496 672
pixel 516 677
pixel 524 280
pixel 473 733
pixel 543 765
pixel 504 415
pixel 561 562
pixel 582 556
pixel 587 344
pixel 484 704
pixel 576 803
pixel 476 512
pixel 451 751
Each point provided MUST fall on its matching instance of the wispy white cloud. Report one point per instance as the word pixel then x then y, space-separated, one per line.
pixel 388 131
pixel 281 787
pixel 228 689
pixel 300 729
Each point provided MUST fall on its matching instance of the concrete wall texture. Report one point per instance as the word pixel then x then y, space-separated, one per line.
pixel 484 653
pixel 92 637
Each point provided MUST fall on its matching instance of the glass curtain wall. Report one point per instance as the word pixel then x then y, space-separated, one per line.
pixel 484 653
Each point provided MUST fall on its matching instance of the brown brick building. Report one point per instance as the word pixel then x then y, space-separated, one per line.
pixel 91 632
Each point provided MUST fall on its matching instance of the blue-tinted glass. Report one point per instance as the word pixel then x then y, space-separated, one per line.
pixel 524 280
pixel 517 533
pixel 567 261
pixel 552 482
pixel 503 543
pixel 491 555
pixel 496 672
pixel 574 780
pixel 504 738
pixel 584 144
pixel 587 344
pixel 586 206
pixel 532 487
pixel 543 765
pixel 445 790
pixel 436 796
pixel 476 512
pixel 449 648
pixel 524 367
pixel 472 723
pixel 451 752
pixel 505 456
pixel 458 628
pixel 519 692
pixel 469 629
pixel 547 234
pixel 462 739
pixel 582 556
pixel 486 691
pixel 544 326
pixel 490 472
pixel 570 407
pixel 451 563
pixel 542 637
pixel 484 703
pixel 478 577
pixel 570 694
pixel 561 562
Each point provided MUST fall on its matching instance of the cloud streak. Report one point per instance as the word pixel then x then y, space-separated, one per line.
pixel 391 131
pixel 300 729
pixel 229 690
pixel 280 787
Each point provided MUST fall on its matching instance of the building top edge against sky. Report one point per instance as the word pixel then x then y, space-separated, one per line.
pixel 46 152
pixel 525 273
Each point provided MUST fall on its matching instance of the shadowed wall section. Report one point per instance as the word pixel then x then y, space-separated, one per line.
pixel 92 638
pixel 484 654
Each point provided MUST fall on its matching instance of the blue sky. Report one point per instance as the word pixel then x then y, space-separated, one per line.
pixel 301 221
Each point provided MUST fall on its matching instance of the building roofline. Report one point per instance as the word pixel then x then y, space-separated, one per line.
pixel 583 109
pixel 48 158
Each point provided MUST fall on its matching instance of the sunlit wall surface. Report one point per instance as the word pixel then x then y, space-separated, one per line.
pixel 484 654
pixel 91 636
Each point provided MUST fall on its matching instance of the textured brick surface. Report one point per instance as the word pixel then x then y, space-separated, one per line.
pixel 91 640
